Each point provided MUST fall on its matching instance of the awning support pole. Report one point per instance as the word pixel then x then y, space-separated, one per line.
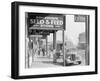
pixel 63 49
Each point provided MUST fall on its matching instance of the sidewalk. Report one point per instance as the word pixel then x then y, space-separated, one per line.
pixel 45 62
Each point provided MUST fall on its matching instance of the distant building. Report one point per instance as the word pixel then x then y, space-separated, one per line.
pixel 69 44
pixel 82 41
pixel 82 37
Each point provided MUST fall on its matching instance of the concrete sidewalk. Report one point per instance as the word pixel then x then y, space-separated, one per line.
pixel 45 62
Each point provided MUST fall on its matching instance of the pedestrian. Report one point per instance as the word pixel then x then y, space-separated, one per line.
pixel 30 52
pixel 54 56
pixel 43 51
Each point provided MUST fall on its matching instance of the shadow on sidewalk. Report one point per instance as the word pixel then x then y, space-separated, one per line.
pixel 50 62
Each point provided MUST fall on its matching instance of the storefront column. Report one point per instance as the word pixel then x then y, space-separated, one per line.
pixel 63 48
pixel 54 47
pixel 26 44
pixel 87 40
pixel 54 40
pixel 46 45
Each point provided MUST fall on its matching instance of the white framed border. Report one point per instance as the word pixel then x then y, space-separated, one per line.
pixel 57 70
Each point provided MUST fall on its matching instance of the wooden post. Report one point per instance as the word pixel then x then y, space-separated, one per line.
pixel 63 48
pixel 26 42
pixel 87 40
pixel 54 46
pixel 46 45
pixel 54 40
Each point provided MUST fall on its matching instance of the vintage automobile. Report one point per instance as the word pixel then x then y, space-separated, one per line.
pixel 71 57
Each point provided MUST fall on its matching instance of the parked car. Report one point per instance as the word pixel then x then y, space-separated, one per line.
pixel 72 58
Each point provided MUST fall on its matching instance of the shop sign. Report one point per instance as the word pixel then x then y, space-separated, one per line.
pixel 79 18
pixel 46 21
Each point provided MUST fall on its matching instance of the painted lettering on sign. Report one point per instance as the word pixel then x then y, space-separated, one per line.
pixel 79 18
pixel 45 20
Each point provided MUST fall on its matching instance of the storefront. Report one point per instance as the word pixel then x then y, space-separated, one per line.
pixel 38 27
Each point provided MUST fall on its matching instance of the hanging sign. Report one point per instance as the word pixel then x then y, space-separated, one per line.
pixel 46 20
pixel 79 18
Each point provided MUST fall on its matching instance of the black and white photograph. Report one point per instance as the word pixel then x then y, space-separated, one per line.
pixel 51 40
pixel 56 40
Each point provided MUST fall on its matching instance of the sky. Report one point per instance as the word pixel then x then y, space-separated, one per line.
pixel 73 29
